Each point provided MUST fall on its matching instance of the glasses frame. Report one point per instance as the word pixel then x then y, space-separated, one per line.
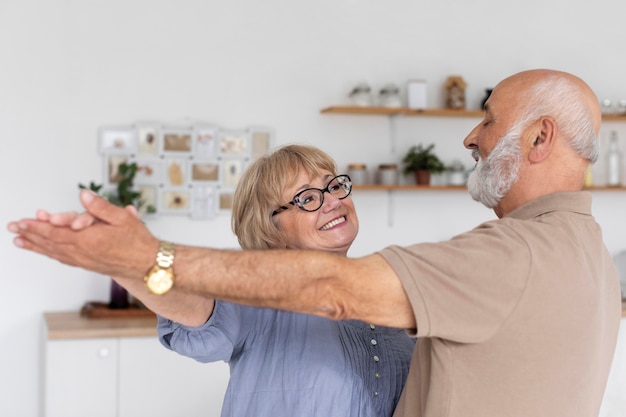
pixel 294 201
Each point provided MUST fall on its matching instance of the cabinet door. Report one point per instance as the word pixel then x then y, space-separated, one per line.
pixel 80 378
pixel 157 382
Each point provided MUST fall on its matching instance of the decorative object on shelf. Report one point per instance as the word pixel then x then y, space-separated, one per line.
pixel 488 92
pixel 455 92
pixel 361 95
pixel 182 170
pixel 621 107
pixel 389 96
pixel 125 194
pixel 422 162
pixel 416 94
pixel 606 106
pixel 456 173
pixel 358 173
pixel 614 161
pixel 388 174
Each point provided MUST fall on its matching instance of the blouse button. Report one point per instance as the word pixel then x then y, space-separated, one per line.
pixel 375 393
pixel 377 375
pixel 373 342
pixel 376 358
pixel 372 327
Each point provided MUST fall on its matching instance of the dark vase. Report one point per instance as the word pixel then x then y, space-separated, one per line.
pixel 422 177
pixel 118 296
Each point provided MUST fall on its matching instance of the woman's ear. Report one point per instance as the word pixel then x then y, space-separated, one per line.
pixel 544 140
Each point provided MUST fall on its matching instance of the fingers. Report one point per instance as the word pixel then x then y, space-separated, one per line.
pixel 102 210
pixel 42 215
pixel 133 210
pixel 61 219
pixel 83 221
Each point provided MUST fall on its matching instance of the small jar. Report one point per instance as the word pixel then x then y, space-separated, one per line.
pixel 357 173
pixel 456 173
pixel 361 95
pixel 388 174
pixel 389 96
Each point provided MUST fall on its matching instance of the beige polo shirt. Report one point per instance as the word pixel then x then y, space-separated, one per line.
pixel 518 317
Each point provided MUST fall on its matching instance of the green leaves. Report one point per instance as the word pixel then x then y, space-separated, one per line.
pixel 422 158
pixel 126 193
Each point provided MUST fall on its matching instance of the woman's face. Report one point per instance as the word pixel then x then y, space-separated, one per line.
pixel 332 228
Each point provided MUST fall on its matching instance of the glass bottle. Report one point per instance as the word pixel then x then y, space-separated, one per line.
pixel 614 161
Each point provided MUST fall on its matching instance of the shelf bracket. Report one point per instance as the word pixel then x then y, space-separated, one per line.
pixel 389 208
pixel 392 132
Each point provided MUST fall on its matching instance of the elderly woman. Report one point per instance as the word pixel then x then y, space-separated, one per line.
pixel 288 364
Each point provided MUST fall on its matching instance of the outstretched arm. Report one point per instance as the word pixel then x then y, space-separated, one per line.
pixel 314 282
pixel 188 309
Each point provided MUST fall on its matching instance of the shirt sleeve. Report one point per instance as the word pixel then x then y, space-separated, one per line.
pixel 215 340
pixel 464 288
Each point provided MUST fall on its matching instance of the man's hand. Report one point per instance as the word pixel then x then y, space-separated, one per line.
pixel 106 239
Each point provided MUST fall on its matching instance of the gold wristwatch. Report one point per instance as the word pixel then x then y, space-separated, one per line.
pixel 160 278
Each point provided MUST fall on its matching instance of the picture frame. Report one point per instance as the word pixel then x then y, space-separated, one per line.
pixel 176 140
pixel 204 202
pixel 233 143
pixel 174 200
pixel 149 196
pixel 225 202
pixel 232 170
pixel 111 167
pixel 260 139
pixel 149 171
pixel 191 170
pixel 120 140
pixel 148 139
pixel 204 146
pixel 205 172
pixel 175 172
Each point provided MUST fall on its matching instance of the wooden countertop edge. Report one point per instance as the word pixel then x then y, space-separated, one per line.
pixel 71 325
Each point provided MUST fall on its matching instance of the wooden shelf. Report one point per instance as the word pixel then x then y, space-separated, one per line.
pixel 404 111
pixel 411 187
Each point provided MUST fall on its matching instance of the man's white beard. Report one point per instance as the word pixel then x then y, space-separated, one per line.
pixel 493 177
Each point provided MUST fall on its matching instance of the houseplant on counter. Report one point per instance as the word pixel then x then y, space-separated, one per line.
pixel 125 194
pixel 422 162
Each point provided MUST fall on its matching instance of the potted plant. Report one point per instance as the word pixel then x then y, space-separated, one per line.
pixel 423 162
pixel 124 195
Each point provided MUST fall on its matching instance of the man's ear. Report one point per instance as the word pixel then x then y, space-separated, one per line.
pixel 543 140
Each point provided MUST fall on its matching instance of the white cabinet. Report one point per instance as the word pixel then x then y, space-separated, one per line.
pixel 80 378
pixel 127 375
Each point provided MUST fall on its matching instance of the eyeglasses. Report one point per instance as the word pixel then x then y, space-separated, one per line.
pixel 312 199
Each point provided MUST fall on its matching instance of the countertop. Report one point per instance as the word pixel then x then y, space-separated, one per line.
pixel 70 325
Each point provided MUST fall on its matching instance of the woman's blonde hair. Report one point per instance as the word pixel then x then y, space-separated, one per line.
pixel 261 187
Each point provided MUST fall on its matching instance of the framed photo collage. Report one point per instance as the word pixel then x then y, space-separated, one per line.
pixel 189 170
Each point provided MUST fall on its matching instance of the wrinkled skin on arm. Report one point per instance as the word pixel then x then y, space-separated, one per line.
pixel 113 241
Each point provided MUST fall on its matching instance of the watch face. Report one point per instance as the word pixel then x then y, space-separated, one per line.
pixel 161 281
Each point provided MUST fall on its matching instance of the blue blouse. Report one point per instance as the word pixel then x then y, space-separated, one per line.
pixel 285 364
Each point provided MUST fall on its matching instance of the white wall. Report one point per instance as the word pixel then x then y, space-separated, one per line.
pixel 68 67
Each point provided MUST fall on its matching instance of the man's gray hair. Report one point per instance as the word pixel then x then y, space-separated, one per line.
pixel 560 98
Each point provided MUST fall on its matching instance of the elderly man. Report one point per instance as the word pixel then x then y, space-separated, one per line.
pixel 517 317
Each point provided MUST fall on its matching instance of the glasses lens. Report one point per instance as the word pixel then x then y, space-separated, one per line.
pixel 310 200
pixel 340 186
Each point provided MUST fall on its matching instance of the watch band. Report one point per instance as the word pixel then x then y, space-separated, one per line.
pixel 165 256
